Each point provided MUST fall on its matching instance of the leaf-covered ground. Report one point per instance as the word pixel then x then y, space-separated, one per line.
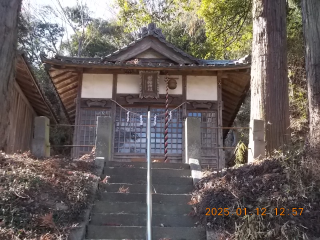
pixel 42 199
pixel 265 185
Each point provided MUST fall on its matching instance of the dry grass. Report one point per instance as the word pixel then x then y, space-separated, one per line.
pixel 42 199
pixel 276 183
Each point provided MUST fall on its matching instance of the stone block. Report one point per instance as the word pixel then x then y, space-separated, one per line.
pixel 257 143
pixel 40 142
pixel 192 138
pixel 104 138
pixel 196 172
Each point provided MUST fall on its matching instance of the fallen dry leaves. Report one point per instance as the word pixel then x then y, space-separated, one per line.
pixel 47 221
pixel 30 190
pixel 123 190
pixel 105 180
pixel 265 184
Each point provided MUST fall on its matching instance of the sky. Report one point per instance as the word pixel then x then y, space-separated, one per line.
pixel 100 8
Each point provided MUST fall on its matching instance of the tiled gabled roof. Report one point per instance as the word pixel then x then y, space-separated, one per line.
pixel 136 63
pixel 152 30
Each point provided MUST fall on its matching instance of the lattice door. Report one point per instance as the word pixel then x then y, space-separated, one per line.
pixel 209 137
pixel 86 132
pixel 130 137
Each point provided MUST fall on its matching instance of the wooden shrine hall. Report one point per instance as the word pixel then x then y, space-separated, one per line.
pixel 148 74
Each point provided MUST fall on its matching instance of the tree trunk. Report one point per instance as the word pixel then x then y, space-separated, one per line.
pixel 269 73
pixel 311 23
pixel 9 10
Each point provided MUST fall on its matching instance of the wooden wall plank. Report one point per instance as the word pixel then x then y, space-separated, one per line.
pixel 21 117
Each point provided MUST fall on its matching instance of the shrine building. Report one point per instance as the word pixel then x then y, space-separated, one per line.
pixel 151 74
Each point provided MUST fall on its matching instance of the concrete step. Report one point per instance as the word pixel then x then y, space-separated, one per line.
pixel 144 165
pixel 172 233
pixel 142 179
pixel 142 188
pixel 141 197
pixel 140 208
pixel 140 220
pixel 143 172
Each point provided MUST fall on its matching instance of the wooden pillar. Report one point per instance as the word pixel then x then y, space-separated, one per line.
pixel 184 115
pixel 76 133
pixel 113 110
pixel 221 157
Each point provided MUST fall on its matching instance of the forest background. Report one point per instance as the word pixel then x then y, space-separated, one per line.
pixel 207 29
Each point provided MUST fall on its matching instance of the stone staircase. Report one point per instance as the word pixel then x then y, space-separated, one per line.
pixel 120 209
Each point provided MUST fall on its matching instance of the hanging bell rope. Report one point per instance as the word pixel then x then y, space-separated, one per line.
pixel 166 130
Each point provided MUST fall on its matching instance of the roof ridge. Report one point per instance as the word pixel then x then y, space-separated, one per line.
pixel 152 30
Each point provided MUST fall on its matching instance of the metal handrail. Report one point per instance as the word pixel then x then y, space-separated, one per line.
pixel 149 180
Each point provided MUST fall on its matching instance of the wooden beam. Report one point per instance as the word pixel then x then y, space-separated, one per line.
pixel 235 82
pixel 60 80
pixel 184 114
pixel 230 96
pixel 244 77
pixel 233 90
pixel 221 160
pixel 71 97
pixel 114 108
pixel 69 92
pixel 30 74
pixel 166 71
pixel 67 88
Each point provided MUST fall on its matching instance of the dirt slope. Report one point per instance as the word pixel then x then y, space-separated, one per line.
pixel 42 199
pixel 264 185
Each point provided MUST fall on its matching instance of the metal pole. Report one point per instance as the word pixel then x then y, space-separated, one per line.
pixel 149 180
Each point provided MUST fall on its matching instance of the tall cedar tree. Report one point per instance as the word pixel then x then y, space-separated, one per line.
pixel 9 10
pixel 269 72
pixel 311 24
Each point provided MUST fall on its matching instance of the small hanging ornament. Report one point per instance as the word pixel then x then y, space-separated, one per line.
pixel 172 83
pixel 141 121
pixel 155 120
pixel 128 117
pixel 170 116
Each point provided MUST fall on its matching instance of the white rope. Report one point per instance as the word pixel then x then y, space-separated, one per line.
pixel 155 120
pixel 141 120
pixel 140 115
pixel 170 116
pixel 128 117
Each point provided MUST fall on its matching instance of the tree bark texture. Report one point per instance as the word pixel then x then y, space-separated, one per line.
pixel 311 27
pixel 269 72
pixel 9 11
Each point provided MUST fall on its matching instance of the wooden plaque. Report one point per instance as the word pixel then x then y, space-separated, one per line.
pixel 149 87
